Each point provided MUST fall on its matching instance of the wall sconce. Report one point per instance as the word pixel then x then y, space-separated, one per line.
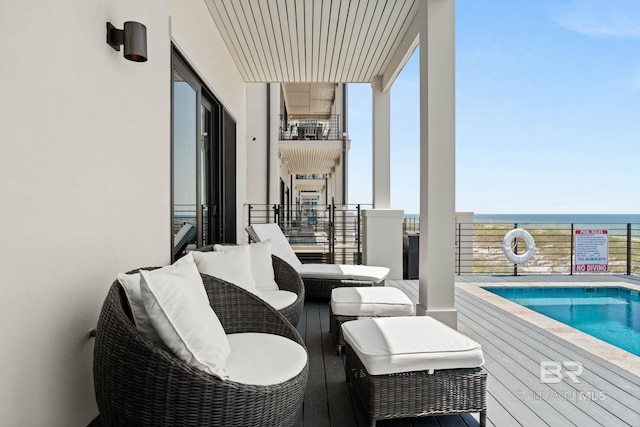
pixel 133 37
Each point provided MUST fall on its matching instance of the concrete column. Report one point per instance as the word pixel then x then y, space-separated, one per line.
pixel 437 160
pixel 382 239
pixel 381 150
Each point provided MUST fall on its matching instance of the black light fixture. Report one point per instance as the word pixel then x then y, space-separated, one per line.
pixel 133 37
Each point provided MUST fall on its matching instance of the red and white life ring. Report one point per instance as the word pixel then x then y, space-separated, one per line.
pixel 508 251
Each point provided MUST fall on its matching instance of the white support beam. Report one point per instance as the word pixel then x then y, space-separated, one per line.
pixel 408 44
pixel 381 150
pixel 437 160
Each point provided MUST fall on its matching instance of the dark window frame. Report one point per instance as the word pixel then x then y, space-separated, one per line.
pixel 221 221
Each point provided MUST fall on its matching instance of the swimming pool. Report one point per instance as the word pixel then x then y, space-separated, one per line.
pixel 611 314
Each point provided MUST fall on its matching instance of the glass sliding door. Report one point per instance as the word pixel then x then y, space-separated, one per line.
pixel 184 191
pixel 197 185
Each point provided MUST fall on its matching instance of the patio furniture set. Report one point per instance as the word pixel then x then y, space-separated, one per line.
pixel 211 340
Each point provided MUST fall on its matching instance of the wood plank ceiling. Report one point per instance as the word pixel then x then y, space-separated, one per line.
pixel 312 41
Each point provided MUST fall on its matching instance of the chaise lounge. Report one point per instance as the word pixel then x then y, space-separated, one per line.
pixel 319 279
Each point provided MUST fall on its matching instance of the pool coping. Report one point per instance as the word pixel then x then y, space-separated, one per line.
pixel 586 342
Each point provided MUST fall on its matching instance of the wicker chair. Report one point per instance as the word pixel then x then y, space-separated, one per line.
pixel 137 383
pixel 287 279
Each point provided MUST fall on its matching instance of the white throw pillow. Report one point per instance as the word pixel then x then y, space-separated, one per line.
pixel 232 266
pixel 177 304
pixel 279 243
pixel 131 285
pixel 261 264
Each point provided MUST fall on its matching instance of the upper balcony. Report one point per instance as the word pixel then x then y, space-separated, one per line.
pixel 311 144
pixel 310 127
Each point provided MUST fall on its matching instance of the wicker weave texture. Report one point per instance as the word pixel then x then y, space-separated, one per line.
pixel 287 279
pixel 418 393
pixel 139 384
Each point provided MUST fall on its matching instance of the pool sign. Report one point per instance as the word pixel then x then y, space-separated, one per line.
pixel 592 251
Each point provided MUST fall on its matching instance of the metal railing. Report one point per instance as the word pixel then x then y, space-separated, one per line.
pixel 310 127
pixel 555 248
pixel 317 233
pixel 479 247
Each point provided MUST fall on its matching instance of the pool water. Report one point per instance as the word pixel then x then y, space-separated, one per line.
pixel 611 314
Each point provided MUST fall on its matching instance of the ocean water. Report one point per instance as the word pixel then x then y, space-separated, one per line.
pixel 589 219
pixel 523 219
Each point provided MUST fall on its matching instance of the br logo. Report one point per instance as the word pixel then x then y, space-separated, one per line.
pixel 552 372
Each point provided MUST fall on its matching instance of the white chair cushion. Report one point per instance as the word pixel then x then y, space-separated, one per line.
pixel 370 301
pixel 177 304
pixel 278 299
pixel 282 249
pixel 131 285
pixel 261 264
pixel 231 265
pixel 343 272
pixel 387 345
pixel 279 243
pixel 263 359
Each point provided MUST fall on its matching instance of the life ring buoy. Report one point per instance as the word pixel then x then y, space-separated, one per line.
pixel 515 234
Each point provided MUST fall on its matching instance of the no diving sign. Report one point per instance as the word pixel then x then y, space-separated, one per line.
pixel 592 251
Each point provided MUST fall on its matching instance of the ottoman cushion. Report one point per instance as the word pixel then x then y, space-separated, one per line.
pixel 387 345
pixel 370 301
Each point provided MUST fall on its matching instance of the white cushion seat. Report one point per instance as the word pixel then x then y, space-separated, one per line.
pixel 388 345
pixel 370 301
pixel 278 299
pixel 350 303
pixel 343 272
pixel 263 359
pixel 282 249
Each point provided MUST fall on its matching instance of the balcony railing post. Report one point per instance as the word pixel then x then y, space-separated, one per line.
pixel 359 243
pixel 249 213
pixel 628 249
pixel 515 251
pixel 332 232
pixel 571 253
pixel 459 241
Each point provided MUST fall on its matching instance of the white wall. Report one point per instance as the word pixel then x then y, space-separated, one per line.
pixel 84 182
pixel 256 171
pixel 256 149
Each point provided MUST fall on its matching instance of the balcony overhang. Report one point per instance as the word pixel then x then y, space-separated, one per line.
pixel 310 185
pixel 312 41
pixel 311 157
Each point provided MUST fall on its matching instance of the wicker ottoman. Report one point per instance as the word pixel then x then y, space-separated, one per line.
pixel 362 302
pixel 432 369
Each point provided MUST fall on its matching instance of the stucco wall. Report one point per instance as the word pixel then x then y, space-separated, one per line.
pixel 256 171
pixel 84 181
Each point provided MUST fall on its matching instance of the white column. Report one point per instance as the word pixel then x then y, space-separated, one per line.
pixel 437 160
pixel 381 149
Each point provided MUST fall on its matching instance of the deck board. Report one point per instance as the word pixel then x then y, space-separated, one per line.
pixel 513 350
pixel 523 353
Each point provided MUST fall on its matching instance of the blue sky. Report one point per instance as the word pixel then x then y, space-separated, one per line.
pixel 547 111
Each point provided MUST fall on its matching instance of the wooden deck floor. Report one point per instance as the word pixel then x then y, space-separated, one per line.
pixel 513 349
